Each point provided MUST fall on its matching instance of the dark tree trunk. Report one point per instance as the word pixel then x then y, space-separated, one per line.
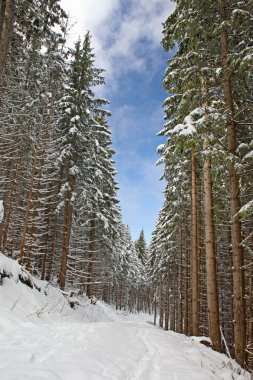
pixel 237 249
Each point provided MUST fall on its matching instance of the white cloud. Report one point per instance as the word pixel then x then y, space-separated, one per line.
pixel 90 14
pixel 125 33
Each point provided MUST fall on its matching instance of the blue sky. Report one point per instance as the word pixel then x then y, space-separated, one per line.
pixel 126 37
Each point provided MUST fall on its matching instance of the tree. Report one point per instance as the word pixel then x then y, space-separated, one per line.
pixel 6 25
pixel 76 139
pixel 237 248
pixel 141 247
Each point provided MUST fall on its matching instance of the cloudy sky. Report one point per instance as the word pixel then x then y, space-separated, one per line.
pixel 126 37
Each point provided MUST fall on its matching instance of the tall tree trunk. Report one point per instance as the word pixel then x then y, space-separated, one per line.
pixel 92 243
pixel 180 286
pixel 121 296
pixel 167 300
pixel 212 292
pixel 161 301
pixel 46 252
pixel 237 249
pixel 67 226
pixel 116 297
pixel 68 211
pixel 50 263
pixel 28 205
pixel 187 291
pixel 7 203
pixel 173 303
pixel 195 251
pixel 6 18
pixel 155 307
pixel 250 319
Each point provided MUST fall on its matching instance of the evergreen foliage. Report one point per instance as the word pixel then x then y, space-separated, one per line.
pixel 201 245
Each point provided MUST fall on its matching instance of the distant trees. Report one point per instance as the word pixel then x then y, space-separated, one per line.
pixel 202 244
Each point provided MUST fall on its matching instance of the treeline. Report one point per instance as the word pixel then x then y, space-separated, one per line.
pixel 202 248
pixel 60 215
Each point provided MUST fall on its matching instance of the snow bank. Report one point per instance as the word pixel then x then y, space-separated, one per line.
pixel 38 302
pixel 25 300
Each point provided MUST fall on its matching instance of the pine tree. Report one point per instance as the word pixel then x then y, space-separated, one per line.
pixel 141 247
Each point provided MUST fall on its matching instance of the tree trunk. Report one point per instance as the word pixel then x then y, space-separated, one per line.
pixel 6 18
pixel 237 249
pixel 180 286
pixel 7 203
pixel 161 301
pixel 68 210
pixel 187 291
pixel 167 302
pixel 28 205
pixel 195 251
pixel 121 295
pixel 155 307
pixel 212 293
pixel 173 303
pixel 92 243
pixel 116 297
pixel 49 268
pixel 250 318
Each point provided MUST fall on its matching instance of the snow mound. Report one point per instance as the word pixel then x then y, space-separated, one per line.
pixel 26 300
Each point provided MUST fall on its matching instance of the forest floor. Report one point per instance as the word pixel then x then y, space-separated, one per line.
pixel 42 338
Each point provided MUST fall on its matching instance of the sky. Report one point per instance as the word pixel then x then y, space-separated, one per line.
pixel 126 36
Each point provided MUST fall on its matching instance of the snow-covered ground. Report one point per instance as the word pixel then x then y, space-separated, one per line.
pixel 42 338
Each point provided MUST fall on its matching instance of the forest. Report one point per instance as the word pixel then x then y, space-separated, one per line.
pixel 60 216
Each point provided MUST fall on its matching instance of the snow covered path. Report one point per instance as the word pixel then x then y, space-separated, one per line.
pixel 42 338
pixel 106 350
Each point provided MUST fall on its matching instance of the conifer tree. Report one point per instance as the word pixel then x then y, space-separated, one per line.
pixel 141 247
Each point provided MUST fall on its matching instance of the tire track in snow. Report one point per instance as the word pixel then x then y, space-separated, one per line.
pixel 106 351
pixel 147 368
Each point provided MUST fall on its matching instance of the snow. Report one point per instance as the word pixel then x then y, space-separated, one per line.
pixel 249 155
pixel 1 210
pixel 177 128
pixel 188 131
pixel 184 129
pixel 75 118
pixel 246 208
pixel 248 57
pixel 42 338
pixel 73 131
pixel 160 148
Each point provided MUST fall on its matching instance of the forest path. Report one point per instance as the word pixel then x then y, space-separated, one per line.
pixel 106 350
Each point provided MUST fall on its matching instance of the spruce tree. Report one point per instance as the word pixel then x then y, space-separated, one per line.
pixel 141 247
